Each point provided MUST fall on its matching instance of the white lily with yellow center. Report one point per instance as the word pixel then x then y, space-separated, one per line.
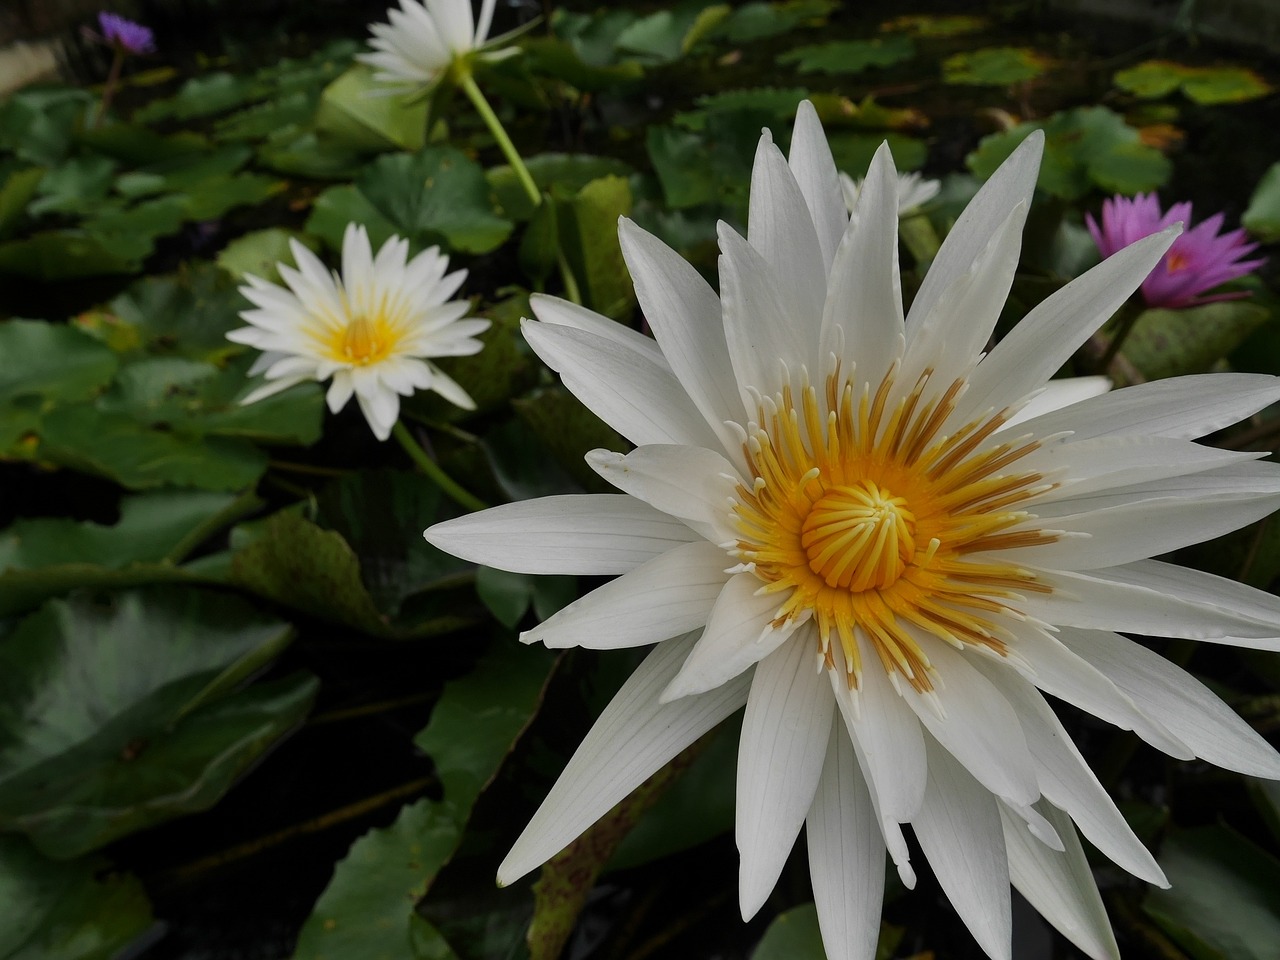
pixel 888 544
pixel 422 42
pixel 371 329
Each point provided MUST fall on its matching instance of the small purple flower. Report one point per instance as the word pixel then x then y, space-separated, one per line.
pixel 126 35
pixel 1199 260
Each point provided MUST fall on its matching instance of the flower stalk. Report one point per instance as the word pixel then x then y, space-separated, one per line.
pixel 446 483
pixel 468 84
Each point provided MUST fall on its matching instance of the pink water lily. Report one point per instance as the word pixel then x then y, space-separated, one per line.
pixel 1199 260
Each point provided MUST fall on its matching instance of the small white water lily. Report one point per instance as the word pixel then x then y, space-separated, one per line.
pixel 371 329
pixel 423 41
pixel 913 191
pixel 888 544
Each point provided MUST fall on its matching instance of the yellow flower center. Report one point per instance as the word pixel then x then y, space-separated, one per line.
pixel 865 519
pixel 1177 261
pixel 363 341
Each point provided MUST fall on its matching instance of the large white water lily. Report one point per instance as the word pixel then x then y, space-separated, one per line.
pixel 888 544
pixel 421 42
pixel 371 328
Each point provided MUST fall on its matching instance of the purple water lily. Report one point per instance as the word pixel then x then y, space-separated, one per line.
pixel 125 35
pixel 1199 260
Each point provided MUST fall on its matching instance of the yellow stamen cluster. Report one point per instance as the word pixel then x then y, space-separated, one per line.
pixel 363 341
pixel 864 518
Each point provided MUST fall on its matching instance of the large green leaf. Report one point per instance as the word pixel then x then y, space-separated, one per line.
pixel 758 20
pixel 850 56
pixel 438 195
pixel 17 189
pixel 38 124
pixel 62 911
pixel 1223 903
pixel 993 66
pixel 344 204
pixel 588 232
pixel 201 96
pixel 359 112
pixel 1204 85
pixel 569 172
pixel 51 361
pixel 63 254
pixel 118 712
pixel 1262 217
pixel 44 557
pixel 77 186
pixel 184 314
pixel 793 935
pixel 367 911
pixel 1169 343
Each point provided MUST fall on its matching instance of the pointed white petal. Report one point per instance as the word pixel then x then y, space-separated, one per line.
pixel 780 757
pixel 599 534
pixel 1033 350
pixel 1009 186
pixel 1161 600
pixel 691 483
pixel 1060 885
pixel 625 387
pixel 672 593
pixel 846 855
pixel 563 313
pixel 686 318
pixel 959 829
pixel 890 741
pixel 1058 394
pixel 738 635
pixel 1181 407
pixel 780 228
pixel 815 171
pixel 1066 779
pixel 978 727
pixel 1174 698
pixel 864 295
pixel 633 738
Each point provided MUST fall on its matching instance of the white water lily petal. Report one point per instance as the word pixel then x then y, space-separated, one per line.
pixel 599 535
pixel 1060 885
pixel 846 855
pixel 1009 186
pixel 889 738
pixel 781 230
pixel 1184 408
pixel 634 737
pixel 1174 698
pixel 691 483
pixel 977 726
pixel 1058 394
pixel 815 172
pixel 1066 780
pixel 1045 339
pixel 668 595
pixel 1161 600
pixel 563 313
pixel 685 315
pixel 627 389
pixel 780 757
pixel 737 637
pixel 959 829
pixel 863 316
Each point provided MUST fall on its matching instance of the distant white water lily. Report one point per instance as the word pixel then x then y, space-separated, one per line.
pixel 888 544
pixel 371 329
pixel 422 42
pixel 913 191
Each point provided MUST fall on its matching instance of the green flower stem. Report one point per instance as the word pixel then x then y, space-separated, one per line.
pixel 432 470
pixel 468 84
pixel 571 290
pixel 109 88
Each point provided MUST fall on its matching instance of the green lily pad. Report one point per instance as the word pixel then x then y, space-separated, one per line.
pixel 260 252
pixel 778 104
pixel 38 125
pixel 299 152
pixel 62 910
pixel 569 172
pixel 994 66
pixel 1223 901
pixel 937 25
pixel 263 119
pixel 1153 79
pixel 553 57
pixel 120 712
pixel 509 596
pixel 569 431
pixel 141 145
pixel 62 255
pixel 667 35
pixel 1262 218
pixel 850 56
pixel 588 232
pixel 202 96
pixel 758 21
pixel 1085 147
pixel 212 198
pixel 358 112
pixel 185 314
pixel 367 911
pixel 853 151
pixel 338 206
pixel 297 563
pixel 51 361
pixel 17 190
pixel 74 187
pixel 1169 343
pixel 132 232
pixel 47 557
pixel 793 935
pixel 439 195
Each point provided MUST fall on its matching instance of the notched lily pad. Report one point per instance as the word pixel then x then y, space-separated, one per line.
pixel 994 66
pixel 1170 343
pixel 121 711
pixel 1207 86
pixel 850 56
